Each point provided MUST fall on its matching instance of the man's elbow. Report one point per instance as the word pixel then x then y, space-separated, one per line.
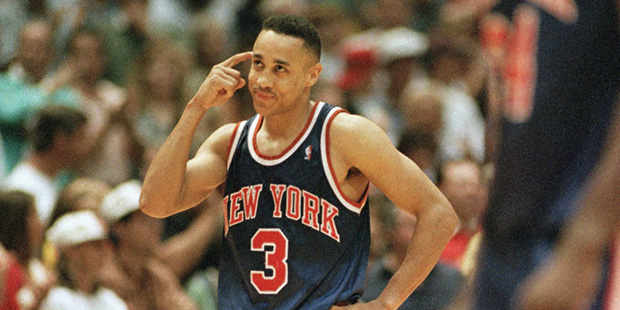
pixel 152 207
pixel 448 218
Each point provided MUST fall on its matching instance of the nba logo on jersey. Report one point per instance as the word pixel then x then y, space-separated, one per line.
pixel 308 153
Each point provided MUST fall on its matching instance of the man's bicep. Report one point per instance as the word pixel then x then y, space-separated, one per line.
pixel 368 149
pixel 208 168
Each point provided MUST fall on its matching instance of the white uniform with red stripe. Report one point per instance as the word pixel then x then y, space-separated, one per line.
pixel 292 239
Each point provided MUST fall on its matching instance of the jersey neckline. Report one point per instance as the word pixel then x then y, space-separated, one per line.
pixel 290 149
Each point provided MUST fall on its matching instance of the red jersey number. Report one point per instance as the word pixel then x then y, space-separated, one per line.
pixel 275 260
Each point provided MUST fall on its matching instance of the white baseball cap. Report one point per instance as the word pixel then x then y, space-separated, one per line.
pixel 76 228
pixel 401 42
pixel 122 200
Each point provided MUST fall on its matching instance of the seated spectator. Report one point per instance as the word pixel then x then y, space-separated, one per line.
pixel 155 93
pixel 80 194
pixel 142 278
pixel 438 289
pixel 11 279
pixel 28 85
pixel 114 154
pixel 463 130
pixel 422 109
pixel 461 182
pixel 80 237
pixel 125 28
pixel 57 138
pixel 26 280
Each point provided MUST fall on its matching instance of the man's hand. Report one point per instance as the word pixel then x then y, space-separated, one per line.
pixel 373 305
pixel 222 82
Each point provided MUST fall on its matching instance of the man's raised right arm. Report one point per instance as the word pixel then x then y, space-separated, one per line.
pixel 172 183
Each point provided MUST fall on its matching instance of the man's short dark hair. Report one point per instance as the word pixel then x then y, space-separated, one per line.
pixel 51 120
pixel 296 26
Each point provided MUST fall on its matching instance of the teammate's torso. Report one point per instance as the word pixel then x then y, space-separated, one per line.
pixel 292 240
pixel 563 74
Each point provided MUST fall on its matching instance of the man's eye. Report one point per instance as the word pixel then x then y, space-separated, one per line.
pixel 256 62
pixel 280 69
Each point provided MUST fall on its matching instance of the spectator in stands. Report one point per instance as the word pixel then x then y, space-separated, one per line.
pixel 463 132
pixel 27 86
pixel 80 237
pixel 58 142
pixel 438 289
pixel 155 90
pixel 27 282
pixel 146 264
pixel 80 194
pixel 461 182
pixel 421 146
pixel 115 152
pixel 125 30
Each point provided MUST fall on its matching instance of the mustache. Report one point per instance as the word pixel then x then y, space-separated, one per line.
pixel 264 90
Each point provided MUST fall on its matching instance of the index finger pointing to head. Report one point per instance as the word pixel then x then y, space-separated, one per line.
pixel 236 59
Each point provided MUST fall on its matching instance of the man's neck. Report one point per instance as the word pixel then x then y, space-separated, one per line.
pixel 287 125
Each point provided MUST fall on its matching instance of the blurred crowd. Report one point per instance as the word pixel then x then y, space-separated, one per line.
pixel 89 89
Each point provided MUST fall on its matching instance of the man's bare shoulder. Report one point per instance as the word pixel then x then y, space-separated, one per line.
pixel 353 129
pixel 219 140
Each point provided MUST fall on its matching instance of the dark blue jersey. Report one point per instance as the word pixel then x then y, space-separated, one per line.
pixel 292 239
pixel 563 77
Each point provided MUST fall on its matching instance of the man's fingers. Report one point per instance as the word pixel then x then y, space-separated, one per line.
pixel 241 83
pixel 231 72
pixel 236 59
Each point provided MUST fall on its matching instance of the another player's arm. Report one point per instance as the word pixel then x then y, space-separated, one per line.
pixel 581 248
pixel 172 184
pixel 362 145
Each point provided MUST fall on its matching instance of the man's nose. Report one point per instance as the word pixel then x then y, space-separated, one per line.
pixel 264 80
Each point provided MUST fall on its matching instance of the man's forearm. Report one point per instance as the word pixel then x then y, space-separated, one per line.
pixel 163 183
pixel 598 220
pixel 433 230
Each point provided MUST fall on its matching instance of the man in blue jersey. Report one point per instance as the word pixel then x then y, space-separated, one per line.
pixel 562 74
pixel 296 233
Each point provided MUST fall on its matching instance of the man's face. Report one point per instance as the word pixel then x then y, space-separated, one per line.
pixel 87 256
pixel 141 231
pixel 88 56
pixel 282 72
pixel 462 187
pixel 71 147
pixel 35 49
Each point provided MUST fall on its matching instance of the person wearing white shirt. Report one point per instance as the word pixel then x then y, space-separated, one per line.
pixel 58 143
pixel 80 237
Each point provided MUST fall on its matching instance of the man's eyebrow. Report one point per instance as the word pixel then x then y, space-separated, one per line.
pixel 282 62
pixel 278 61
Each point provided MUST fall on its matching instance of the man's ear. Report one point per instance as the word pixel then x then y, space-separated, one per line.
pixel 314 73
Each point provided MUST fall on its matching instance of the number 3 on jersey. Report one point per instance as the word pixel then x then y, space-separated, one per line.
pixel 275 260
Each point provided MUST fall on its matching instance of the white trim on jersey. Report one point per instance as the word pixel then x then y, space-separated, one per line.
pixel 333 183
pixel 272 162
pixel 233 145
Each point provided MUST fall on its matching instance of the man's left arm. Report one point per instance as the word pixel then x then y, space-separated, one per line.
pixel 364 146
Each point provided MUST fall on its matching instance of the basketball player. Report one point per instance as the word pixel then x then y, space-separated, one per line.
pixel 562 76
pixel 297 176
